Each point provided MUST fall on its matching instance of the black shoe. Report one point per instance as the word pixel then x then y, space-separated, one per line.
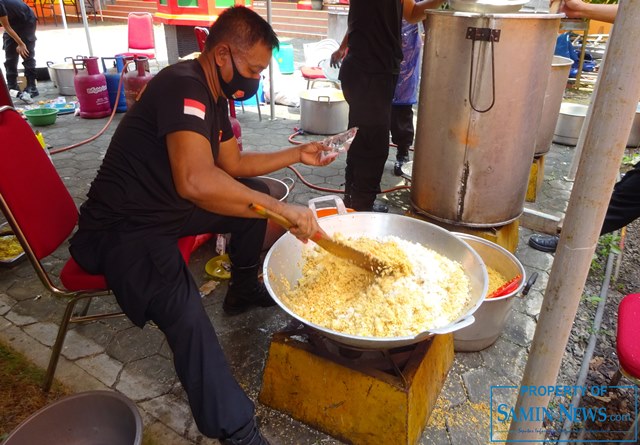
pixel 397 167
pixel 32 90
pixel 247 435
pixel 380 207
pixel 245 291
pixel 544 243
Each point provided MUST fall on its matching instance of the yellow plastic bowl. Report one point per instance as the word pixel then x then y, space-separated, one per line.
pixel 41 116
pixel 219 267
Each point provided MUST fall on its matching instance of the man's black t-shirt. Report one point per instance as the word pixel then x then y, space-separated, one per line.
pixel 134 189
pixel 18 13
pixel 374 35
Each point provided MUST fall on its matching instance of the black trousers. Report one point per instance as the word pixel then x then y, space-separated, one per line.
pixel 369 96
pixel 402 128
pixel 152 282
pixel 27 33
pixel 624 206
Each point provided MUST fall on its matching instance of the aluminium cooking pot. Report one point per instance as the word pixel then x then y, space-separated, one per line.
pixel 323 111
pixel 284 262
pixel 62 75
pixel 491 317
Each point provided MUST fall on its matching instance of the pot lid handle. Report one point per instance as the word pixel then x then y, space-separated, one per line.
pixel 339 204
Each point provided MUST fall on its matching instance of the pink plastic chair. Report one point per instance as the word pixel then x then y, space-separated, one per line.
pixel 142 42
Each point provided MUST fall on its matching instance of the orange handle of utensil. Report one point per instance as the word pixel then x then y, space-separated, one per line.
pixel 281 220
pixel 260 210
pixel 507 287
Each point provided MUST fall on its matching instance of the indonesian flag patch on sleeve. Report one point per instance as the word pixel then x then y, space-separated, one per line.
pixel 194 108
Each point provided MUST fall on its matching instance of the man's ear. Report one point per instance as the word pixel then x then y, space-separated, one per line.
pixel 221 54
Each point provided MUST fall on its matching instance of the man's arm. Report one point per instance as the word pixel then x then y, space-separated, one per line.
pixel 413 12
pixel 338 55
pixel 198 179
pixel 594 11
pixel 244 164
pixel 22 48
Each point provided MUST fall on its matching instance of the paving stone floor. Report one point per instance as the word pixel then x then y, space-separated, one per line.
pixel 137 362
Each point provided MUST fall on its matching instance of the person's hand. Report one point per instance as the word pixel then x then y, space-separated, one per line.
pixel 316 154
pixel 336 58
pixel 305 224
pixel 572 8
pixel 23 51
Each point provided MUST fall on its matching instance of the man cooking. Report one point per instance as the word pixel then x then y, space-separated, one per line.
pixel 172 169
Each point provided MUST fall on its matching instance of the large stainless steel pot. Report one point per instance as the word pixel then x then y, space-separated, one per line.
pixel 552 100
pixel 62 75
pixel 569 124
pixel 323 111
pixel 284 262
pixel 481 93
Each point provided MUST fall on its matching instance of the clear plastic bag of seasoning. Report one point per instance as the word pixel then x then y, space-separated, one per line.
pixel 339 143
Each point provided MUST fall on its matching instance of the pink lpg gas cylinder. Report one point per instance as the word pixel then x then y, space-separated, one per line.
pixel 136 80
pixel 91 89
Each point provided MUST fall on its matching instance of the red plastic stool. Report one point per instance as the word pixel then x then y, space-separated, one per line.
pixel 628 346
pixel 628 335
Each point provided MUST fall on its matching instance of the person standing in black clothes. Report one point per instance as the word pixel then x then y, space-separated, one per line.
pixel 173 169
pixel 370 56
pixel 19 40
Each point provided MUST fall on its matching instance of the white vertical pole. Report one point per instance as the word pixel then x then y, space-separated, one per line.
pixel 614 106
pixel 83 11
pixel 62 13
pixel 272 101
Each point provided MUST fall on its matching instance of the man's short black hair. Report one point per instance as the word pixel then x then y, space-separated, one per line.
pixel 243 28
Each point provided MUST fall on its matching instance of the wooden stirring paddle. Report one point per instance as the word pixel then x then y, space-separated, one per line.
pixel 361 259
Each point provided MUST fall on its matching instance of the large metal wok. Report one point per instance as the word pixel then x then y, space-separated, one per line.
pixel 284 262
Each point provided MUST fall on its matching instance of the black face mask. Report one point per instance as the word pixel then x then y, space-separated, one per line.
pixel 239 88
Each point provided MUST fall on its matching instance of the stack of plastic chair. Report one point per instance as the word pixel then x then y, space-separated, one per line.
pixel 314 54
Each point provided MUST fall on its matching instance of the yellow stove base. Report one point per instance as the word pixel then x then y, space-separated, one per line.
pixel 358 406
pixel 505 236
pixel 536 179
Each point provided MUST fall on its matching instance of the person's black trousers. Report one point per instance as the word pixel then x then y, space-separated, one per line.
pixel 369 96
pixel 151 281
pixel 402 130
pixel 28 35
pixel 624 206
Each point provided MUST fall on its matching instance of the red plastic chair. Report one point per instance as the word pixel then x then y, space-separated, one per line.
pixel 628 346
pixel 42 214
pixel 141 39
pixel 201 36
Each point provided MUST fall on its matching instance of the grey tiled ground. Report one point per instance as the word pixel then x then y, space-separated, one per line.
pixel 137 362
